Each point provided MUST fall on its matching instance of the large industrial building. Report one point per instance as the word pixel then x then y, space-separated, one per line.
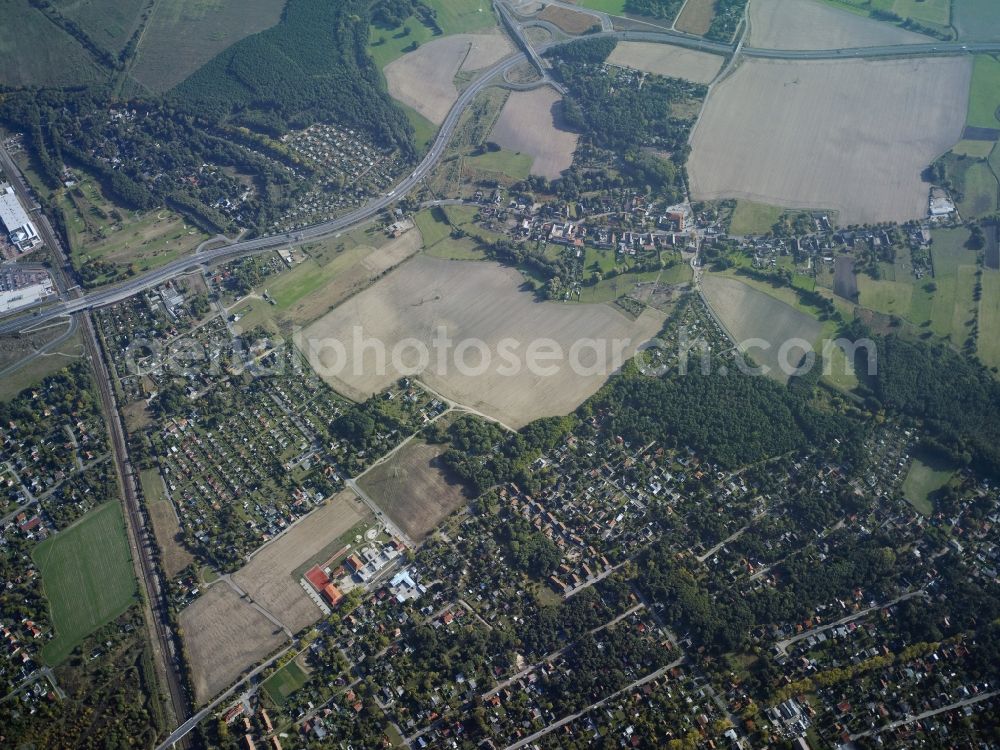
pixel 19 228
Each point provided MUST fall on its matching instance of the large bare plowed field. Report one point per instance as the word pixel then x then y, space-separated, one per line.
pixel 530 123
pixel 666 60
pixel 413 488
pixel 268 577
pixel 750 314
pixel 224 636
pixel 425 78
pixel 808 24
pixel 852 136
pixel 474 301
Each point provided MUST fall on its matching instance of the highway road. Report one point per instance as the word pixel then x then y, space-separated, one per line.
pixel 158 276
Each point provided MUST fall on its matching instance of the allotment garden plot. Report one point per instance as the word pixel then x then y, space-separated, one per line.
pixel 851 136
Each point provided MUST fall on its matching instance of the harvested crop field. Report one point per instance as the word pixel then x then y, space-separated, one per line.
pixel 425 78
pixel 413 488
pixel 696 16
pixel 667 60
pixel 851 136
pixel 808 24
pixel 224 636
pixel 568 20
pixel 530 123
pixel 269 576
pixel 751 314
pixel 473 301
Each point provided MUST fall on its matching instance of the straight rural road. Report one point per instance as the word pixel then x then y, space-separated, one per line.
pixel 488 78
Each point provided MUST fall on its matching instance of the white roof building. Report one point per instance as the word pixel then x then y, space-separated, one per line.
pixel 22 232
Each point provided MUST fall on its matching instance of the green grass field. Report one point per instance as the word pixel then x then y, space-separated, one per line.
pixel 973 149
pixel 35 52
pixel 614 7
pixel 984 94
pixel 424 130
pixel 41 367
pixel 928 473
pixel 109 24
pixel 979 190
pixel 515 165
pixel 754 218
pixel 976 20
pixel 988 342
pixel 933 13
pixel 433 226
pixel 284 682
pixel 453 16
pixel 889 297
pixel 87 577
pixel 463 249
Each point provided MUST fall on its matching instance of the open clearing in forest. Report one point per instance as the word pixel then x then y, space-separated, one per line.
pixel 928 473
pixel 473 302
pixel 751 314
pixel 414 489
pixel 269 576
pixel 183 35
pixel 425 78
pixel 851 136
pixel 807 24
pixel 666 60
pixel 530 123
pixel 224 636
pixel 87 577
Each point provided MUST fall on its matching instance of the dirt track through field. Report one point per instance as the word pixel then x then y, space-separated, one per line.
pixel 852 136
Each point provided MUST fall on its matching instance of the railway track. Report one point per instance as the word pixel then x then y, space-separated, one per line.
pixel 143 547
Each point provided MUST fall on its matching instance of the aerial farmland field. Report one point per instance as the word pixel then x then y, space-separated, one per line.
pixel 87 577
pixel 750 314
pixel 34 52
pixel 269 576
pixel 425 78
pixel 810 24
pixel 413 489
pixel 476 301
pixel 850 136
pixel 976 20
pixel 667 60
pixel 224 635
pixel 183 35
pixel 109 24
pixel 529 123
